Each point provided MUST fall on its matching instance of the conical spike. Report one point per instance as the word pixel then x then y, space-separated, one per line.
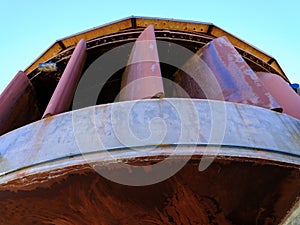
pixel 64 92
pixel 218 71
pixel 18 104
pixel 142 77
pixel 282 92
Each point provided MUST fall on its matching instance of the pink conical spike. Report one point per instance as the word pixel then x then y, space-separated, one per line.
pixel 142 77
pixel 282 92
pixel 64 92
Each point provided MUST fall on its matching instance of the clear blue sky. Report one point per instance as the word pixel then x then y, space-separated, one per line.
pixel 29 27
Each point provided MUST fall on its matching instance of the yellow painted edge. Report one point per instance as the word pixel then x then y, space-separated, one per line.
pixel 168 24
pixel 49 53
pixel 73 40
pixel 173 25
pixel 98 32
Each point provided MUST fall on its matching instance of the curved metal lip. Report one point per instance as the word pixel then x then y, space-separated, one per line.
pixel 134 23
pixel 262 135
pixel 163 35
pixel 71 164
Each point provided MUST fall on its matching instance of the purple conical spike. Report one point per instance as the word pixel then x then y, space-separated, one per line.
pixel 218 71
pixel 142 77
pixel 18 104
pixel 64 92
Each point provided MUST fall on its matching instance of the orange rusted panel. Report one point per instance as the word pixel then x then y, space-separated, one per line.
pixel 142 77
pixel 282 92
pixel 218 71
pixel 64 92
pixel 18 104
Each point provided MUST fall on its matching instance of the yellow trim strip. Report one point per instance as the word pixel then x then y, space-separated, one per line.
pixel 167 24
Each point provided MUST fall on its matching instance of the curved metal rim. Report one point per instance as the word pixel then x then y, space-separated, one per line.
pixel 134 23
pixel 163 35
pixel 36 152
pixel 89 160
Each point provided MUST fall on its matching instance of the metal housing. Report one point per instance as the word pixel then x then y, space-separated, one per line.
pixel 129 159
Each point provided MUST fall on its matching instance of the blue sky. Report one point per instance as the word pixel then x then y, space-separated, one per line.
pixel 29 27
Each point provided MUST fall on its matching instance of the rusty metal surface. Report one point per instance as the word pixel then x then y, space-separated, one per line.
pixel 282 92
pixel 218 71
pixel 18 104
pixel 142 77
pixel 54 155
pixel 293 215
pixel 78 195
pixel 64 92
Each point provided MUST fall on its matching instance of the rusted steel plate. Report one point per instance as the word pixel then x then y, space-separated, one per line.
pixel 64 92
pixel 78 195
pixel 218 71
pixel 282 92
pixel 142 77
pixel 18 104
